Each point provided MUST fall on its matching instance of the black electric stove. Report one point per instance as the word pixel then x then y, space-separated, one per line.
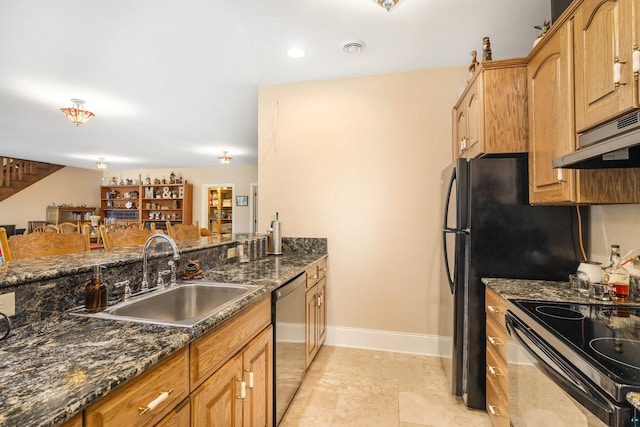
pixel 600 341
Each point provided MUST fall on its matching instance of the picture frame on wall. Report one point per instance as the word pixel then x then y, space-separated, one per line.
pixel 242 200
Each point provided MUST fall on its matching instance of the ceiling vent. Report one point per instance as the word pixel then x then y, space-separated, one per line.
pixel 352 47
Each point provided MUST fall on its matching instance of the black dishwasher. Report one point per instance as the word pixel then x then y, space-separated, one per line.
pixel 288 311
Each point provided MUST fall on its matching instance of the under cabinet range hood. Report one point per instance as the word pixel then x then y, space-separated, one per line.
pixel 615 144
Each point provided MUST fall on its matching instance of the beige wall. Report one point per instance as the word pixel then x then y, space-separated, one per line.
pixel 69 185
pixel 240 176
pixel 614 225
pixel 358 161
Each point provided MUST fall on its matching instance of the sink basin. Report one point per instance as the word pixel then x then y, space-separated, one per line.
pixel 186 305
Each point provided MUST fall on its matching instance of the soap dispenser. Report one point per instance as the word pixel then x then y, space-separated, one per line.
pixel 96 292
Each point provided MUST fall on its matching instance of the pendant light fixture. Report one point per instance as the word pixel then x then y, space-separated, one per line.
pixel 387 4
pixel 101 164
pixel 76 113
pixel 224 159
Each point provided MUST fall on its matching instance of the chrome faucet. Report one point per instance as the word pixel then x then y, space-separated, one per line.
pixel 145 254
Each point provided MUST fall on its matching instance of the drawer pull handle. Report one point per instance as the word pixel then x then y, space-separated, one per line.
pixel 494 342
pixel 323 269
pixel 494 310
pixel 493 412
pixel 155 402
pixel 492 370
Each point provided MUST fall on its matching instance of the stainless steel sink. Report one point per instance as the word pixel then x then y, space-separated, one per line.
pixel 187 304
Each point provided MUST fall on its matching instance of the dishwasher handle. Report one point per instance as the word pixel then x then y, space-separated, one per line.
pixel 289 287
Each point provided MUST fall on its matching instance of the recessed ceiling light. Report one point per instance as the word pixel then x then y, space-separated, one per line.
pixel 296 52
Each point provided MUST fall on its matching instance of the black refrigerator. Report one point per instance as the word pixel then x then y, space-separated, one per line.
pixel 490 230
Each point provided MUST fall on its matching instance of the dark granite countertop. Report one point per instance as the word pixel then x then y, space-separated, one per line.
pixel 541 290
pixel 51 370
pixel 50 267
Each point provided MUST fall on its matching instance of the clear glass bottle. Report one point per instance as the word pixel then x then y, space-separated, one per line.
pixel 616 276
pixel 614 258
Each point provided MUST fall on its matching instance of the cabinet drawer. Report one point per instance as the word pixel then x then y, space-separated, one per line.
pixel 210 351
pixel 497 370
pixel 312 275
pixel 121 408
pixel 497 340
pixel 497 405
pixel 496 308
pixel 322 268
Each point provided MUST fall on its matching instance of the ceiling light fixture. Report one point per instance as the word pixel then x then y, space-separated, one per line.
pixel 296 53
pixel 224 159
pixel 76 114
pixel 387 4
pixel 101 164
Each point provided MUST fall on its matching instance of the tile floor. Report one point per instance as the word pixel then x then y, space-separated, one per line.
pixel 353 387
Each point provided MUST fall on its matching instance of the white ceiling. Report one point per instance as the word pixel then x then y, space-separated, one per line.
pixel 174 83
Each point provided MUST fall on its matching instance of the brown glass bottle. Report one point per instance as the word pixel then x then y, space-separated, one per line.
pixel 96 292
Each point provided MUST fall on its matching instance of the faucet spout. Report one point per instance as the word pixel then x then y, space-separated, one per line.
pixel 145 254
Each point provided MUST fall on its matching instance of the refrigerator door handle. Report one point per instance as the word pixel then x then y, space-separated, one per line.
pixel 449 230
pixel 452 180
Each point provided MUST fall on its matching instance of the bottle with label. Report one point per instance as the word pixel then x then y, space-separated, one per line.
pixel 616 276
pixel 96 292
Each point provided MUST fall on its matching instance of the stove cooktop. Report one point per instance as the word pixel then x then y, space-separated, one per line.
pixel 603 341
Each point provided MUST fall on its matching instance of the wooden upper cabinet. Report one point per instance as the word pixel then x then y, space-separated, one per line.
pixel 491 115
pixel 551 129
pixel 605 34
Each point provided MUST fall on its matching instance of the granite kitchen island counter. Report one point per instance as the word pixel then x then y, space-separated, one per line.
pixel 52 369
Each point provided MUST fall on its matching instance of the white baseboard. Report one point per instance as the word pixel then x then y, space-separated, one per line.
pixel 398 342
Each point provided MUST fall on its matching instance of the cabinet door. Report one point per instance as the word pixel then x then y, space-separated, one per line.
pixel 475 123
pixel 322 311
pixel 179 417
pixel 311 325
pixel 603 33
pixel 258 373
pixel 218 402
pixel 459 131
pixel 551 125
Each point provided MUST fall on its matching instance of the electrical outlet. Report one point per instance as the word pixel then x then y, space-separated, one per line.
pixel 232 253
pixel 8 303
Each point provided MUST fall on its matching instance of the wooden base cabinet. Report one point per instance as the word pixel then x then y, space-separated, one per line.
pixel 496 352
pixel 223 378
pixel 179 417
pixel 239 393
pixel 217 401
pixel 316 310
pixel 122 407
